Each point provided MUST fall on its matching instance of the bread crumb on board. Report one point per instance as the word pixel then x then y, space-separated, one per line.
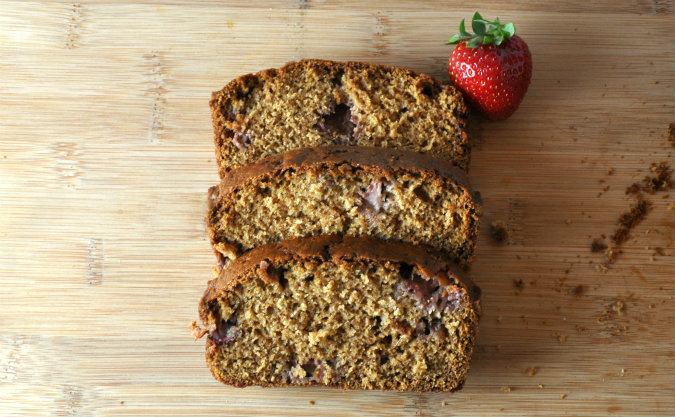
pixel 660 179
pixel 561 337
pixel 532 371
pixel 506 389
pixel 612 314
pixel 578 290
pixel 499 231
pixel 311 402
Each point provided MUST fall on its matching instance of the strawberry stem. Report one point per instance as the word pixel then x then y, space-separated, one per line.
pixel 486 32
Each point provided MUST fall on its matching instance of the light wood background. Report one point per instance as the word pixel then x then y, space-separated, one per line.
pixel 106 154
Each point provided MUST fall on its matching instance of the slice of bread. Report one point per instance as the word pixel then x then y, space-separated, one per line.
pixel 321 103
pixel 392 194
pixel 353 313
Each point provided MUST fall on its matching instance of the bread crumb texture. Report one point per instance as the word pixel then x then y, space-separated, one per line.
pixel 321 103
pixel 360 325
pixel 404 205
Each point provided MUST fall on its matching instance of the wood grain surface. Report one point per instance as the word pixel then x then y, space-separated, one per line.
pixel 106 154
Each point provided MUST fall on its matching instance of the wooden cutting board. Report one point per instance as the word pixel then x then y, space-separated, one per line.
pixel 106 154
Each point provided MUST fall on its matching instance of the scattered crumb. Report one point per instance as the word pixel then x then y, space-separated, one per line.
pixel 499 231
pixel 444 403
pixel 121 402
pixel 627 221
pixel 311 402
pixel 568 221
pixel 499 318
pixel 630 219
pixel 598 245
pixel 563 396
pixel 659 251
pixel 506 389
pixel 633 189
pixel 532 371
pixel 671 206
pixel 581 328
pixel 623 372
pixel 610 315
pixel 618 307
pixel 519 284
pixel 610 171
pixel 662 180
pixel 671 134
pixel 197 331
pixel 610 254
pixel 578 290
pixel 540 386
pixel 561 337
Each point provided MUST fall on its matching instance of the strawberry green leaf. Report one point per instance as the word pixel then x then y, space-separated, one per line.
pixel 462 28
pixel 486 32
pixel 510 29
pixel 457 38
pixel 478 26
pixel 475 42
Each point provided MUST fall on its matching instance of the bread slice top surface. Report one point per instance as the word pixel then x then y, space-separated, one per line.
pixel 388 107
pixel 339 250
pixel 295 181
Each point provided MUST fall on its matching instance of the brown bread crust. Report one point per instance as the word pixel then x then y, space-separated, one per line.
pixel 385 159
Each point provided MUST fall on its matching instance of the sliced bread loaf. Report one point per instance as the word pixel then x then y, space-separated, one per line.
pixel 392 194
pixel 354 313
pixel 320 103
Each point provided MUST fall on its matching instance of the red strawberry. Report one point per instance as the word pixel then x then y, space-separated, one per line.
pixel 492 67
